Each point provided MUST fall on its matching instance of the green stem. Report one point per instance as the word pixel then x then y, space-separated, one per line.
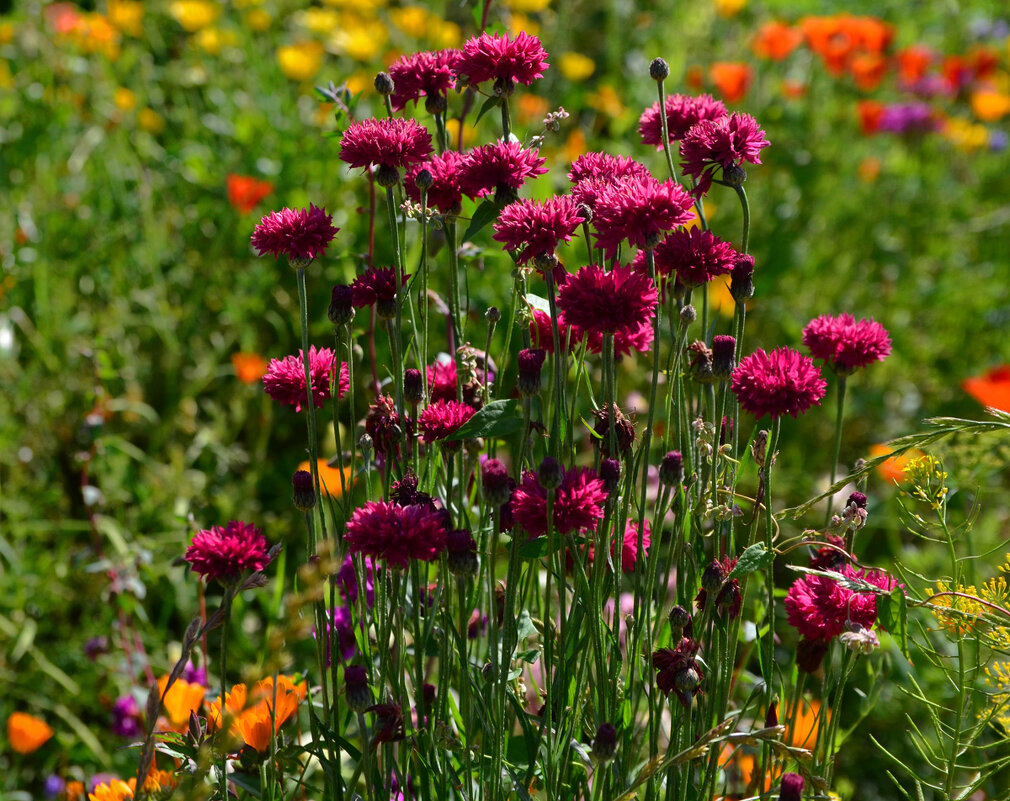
pixel 650 261
pixel 310 410
pixel 222 667
pixel 836 451
pixel 666 130
pixel 506 121
pixel 395 335
pixel 559 363
pixel 745 239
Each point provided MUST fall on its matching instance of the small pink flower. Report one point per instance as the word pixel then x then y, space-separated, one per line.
pixel 297 234
pixel 596 301
pixel 442 419
pixel 224 553
pixel 390 143
pixel 777 383
pixel 444 195
pixel 427 74
pixel 285 378
pixel 502 168
pixel 820 608
pixel 500 58
pixel 640 211
pixel 578 503
pixel 719 145
pixel 845 343
pixel 682 113
pixel 396 534
pixel 534 228
pixel 592 172
pixel 695 256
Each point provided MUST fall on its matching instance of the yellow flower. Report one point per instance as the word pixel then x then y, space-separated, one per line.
pixel 320 20
pixel 258 19
pixel 520 22
pixel 719 297
pixel 359 82
pixel 6 33
pixel 193 15
pixel 444 34
pixel 212 40
pixel 6 79
pixel 607 102
pixel 124 99
pixel 729 8
pixel 412 20
pixel 452 130
pixel 527 6
pixel 96 35
pixel 575 66
pixel 998 679
pixel 365 7
pixel 301 61
pixel 990 106
pixel 362 40
pixel 126 15
pixel 150 120
pixel 112 790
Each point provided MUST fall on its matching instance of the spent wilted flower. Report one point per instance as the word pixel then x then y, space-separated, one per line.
pixel 500 58
pixel 777 383
pixel 396 534
pixel 429 74
pixel 500 168
pixel 721 145
pixel 639 211
pixel 578 503
pixel 299 235
pixel 677 670
pixel 845 344
pixel 285 378
pixel 389 144
pixel 383 425
pixel 534 229
pixel 682 113
pixel 608 302
pixel 444 194
pixel 224 553
pixel 695 256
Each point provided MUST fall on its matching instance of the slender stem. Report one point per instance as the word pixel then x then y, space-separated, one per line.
pixel 559 363
pixel 836 451
pixel 423 300
pixel 222 667
pixel 769 640
pixel 395 336
pixel 310 409
pixel 666 130
pixel 506 121
pixel 650 261
pixel 745 239
pixel 454 306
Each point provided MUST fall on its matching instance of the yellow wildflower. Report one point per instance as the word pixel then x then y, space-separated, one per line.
pixel 213 40
pixel 444 34
pixel 527 6
pixel 607 101
pixel 193 15
pixel 301 61
pixel 6 79
pixel 412 20
pixel 365 7
pixel 520 22
pixel 6 33
pixel 989 105
pixel 998 679
pixel 126 16
pixel 362 40
pixel 124 99
pixel 258 19
pixel 150 120
pixel 359 82
pixel 955 613
pixel 452 129
pixel 928 480
pixel 729 8
pixel 575 66
pixel 320 21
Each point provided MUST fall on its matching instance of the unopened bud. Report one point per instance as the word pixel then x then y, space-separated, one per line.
pixel 671 469
pixel 659 70
pixel 304 490
pixel 384 83
pixel 423 179
pixel 359 695
pixel 493 315
pixel 341 310
pixel 413 385
pixel 688 315
pixel 550 473
pixel 723 350
pixel 605 742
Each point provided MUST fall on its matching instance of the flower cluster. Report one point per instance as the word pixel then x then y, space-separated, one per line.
pixel 846 344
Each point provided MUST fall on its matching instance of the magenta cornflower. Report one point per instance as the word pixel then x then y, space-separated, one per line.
pixel 442 419
pixel 777 383
pixel 820 607
pixel 846 344
pixel 428 74
pixel 591 172
pixel 578 503
pixel 677 670
pixel 388 144
pixel 535 228
pixel 224 553
pixel 396 534
pixel 502 168
pixel 299 235
pixel 721 145
pixel 639 210
pixel 629 546
pixel 442 381
pixel 285 378
pixel 682 113
pixel 444 195
pixel 502 59
pixel 596 301
pixel 377 285
pixel 695 256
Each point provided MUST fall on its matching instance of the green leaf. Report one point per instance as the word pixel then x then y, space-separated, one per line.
pixel 756 557
pixel 486 213
pixel 524 627
pixel 534 549
pixel 490 103
pixel 499 418
pixel 892 613
pixel 538 303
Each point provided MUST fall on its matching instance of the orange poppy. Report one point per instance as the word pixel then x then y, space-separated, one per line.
pixel 694 77
pixel 329 477
pixel 249 367
pixel 792 89
pixel 868 70
pixel 234 703
pixel 984 61
pixel 245 192
pixel 893 470
pixel 531 108
pixel 74 791
pixel 992 388
pixel 181 699
pixel 253 725
pixel 870 34
pixel 776 40
pixel 870 113
pixel 913 62
pixel 732 79
pixel 27 733
pixel 989 105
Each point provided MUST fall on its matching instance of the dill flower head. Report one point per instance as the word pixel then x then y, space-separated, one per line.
pixel 695 256
pixel 719 146
pixel 777 383
pixel 444 195
pixel 427 74
pixel 299 235
pixel 682 113
pixel 638 210
pixel 500 58
pixel 285 378
pixel 596 301
pixel 578 503
pixel 387 143
pixel 442 419
pixel 396 534
pixel 501 168
pixel 535 229
pixel 846 344
pixel 224 553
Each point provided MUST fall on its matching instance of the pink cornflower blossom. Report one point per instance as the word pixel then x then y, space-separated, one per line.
pixel 396 534
pixel 444 195
pixel 502 168
pixel 502 59
pixel 695 256
pixel 592 172
pixel 682 113
pixel 596 301
pixel 377 286
pixel 777 383
pixel 636 339
pixel 638 210
pixel 299 235
pixel 428 74
pixel 629 546
pixel 845 344
pixel 224 553
pixel 535 228
pixel 820 608
pixel 387 143
pixel 722 145
pixel 442 419
pixel 578 503
pixel 285 378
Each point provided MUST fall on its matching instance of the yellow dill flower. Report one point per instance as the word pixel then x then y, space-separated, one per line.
pixel 412 20
pixel 194 14
pixel 258 19
pixel 150 120
pixel 301 61
pixel 955 613
pixel 124 99
pixel 927 480
pixel 575 66
pixel 362 40
pixel 126 16
pixel 997 677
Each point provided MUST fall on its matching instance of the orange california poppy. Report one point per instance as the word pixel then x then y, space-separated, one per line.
pixel 992 388
pixel 181 699
pixel 73 791
pixel 245 192
pixel 732 79
pixel 870 112
pixel 870 34
pixel 776 40
pixel 329 477
pixel 27 733
pixel 532 108
pixel 868 70
pixel 694 77
pixel 893 470
pixel 234 703
pixel 253 724
pixel 913 62
pixel 989 105
pixel 249 367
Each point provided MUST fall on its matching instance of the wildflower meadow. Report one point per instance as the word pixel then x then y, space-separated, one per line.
pixel 504 399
